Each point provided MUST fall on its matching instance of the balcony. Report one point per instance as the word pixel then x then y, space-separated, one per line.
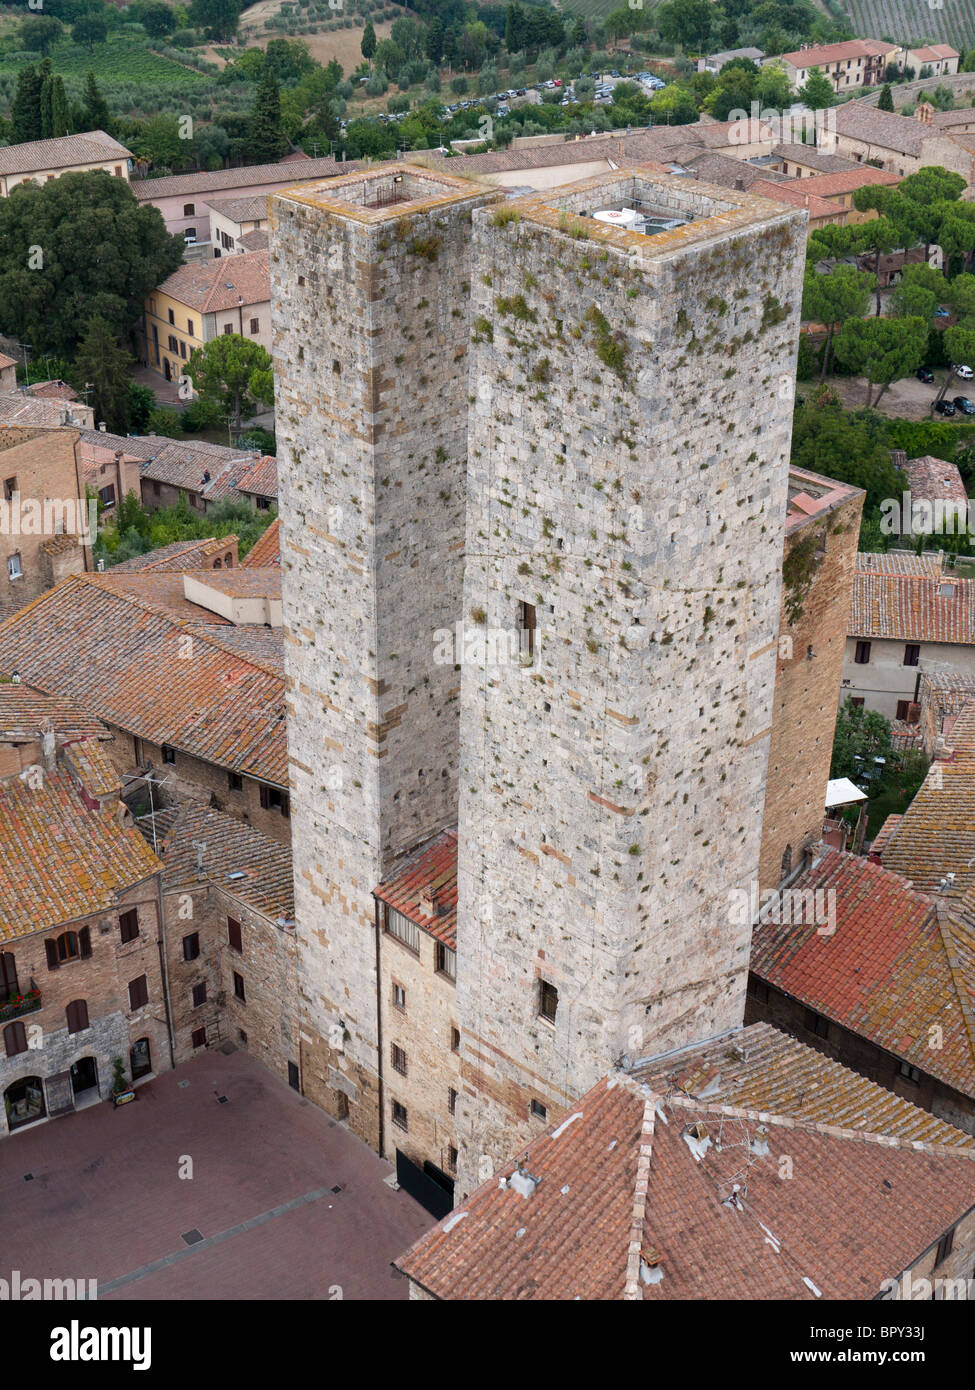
pixel 16 1005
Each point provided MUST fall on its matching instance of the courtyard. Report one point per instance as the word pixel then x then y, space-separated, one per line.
pixel 219 1182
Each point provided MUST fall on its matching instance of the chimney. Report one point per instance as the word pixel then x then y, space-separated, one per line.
pixel 427 904
pixel 925 112
pixel 898 457
pixel 101 426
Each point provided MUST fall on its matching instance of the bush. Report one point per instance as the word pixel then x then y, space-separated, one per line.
pixel 458 85
pixel 397 103
pixel 807 366
pixel 162 420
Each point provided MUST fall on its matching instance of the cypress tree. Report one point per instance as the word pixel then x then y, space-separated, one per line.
pixel 886 102
pixel 96 108
pixel 46 80
pixel 60 112
pixel 368 44
pixel 265 138
pixel 25 109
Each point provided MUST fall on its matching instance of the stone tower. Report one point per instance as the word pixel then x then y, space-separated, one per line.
pixel 370 312
pixel 627 485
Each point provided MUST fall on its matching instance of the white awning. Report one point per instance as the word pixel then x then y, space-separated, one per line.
pixel 842 792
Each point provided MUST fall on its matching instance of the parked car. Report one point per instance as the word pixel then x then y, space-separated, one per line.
pixel 964 372
pixel 964 405
pixel 925 374
pixel 944 407
pixel 942 313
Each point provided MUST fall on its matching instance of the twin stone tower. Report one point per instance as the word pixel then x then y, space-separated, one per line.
pixel 533 475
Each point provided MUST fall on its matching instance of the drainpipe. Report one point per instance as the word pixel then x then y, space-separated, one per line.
pixel 165 969
pixel 379 1033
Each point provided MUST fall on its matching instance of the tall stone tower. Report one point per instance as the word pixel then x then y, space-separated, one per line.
pixel 370 313
pixel 626 508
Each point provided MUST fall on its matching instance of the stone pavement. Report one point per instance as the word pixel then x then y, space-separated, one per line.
pixel 107 1201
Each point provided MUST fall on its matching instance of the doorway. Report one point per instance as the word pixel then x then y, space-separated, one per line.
pixel 24 1102
pixel 140 1059
pixel 84 1075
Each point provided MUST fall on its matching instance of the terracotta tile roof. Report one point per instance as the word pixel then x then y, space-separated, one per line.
pixel 912 608
pixel 88 759
pixel 904 735
pixel 262 478
pixel 430 872
pixel 816 55
pixel 60 545
pixel 931 479
pixel 937 833
pixel 209 286
pixel 621 1175
pixel 932 51
pixel 19 409
pixel 812 495
pixel 814 158
pixel 144 446
pixel 255 240
pixel 6 361
pixel 884 973
pixel 263 644
pixel 897 562
pixel 891 132
pixel 60 860
pixel 92 639
pixel 728 172
pixel 761 1068
pixel 186 465
pixel 213 181
pixel 161 589
pixel 25 713
pixel 249 582
pixel 181 555
pixel 884 833
pixel 251 208
pixel 847 181
pixel 53 391
pixel 266 550
pixel 265 881
pixel 793 192
pixel 93 146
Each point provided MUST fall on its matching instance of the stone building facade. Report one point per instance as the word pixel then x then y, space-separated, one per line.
pixel 370 278
pixel 819 558
pixel 635 531
pixel 44 533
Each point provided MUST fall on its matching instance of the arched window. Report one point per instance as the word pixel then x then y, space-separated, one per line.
pixel 77 1015
pixel 15 1039
pixel 68 946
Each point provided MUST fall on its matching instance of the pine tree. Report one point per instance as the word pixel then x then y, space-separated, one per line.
pixel 886 102
pixel 265 139
pixel 368 44
pixel 96 108
pixel 25 109
pixel 326 123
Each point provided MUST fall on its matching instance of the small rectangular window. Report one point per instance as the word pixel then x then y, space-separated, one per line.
pixel 452 1101
pixel 903 707
pixel 235 782
pixel 445 960
pixel 539 1110
pixel 239 988
pixel 452 1158
pixel 945 1246
pixel 548 1001
pixel 138 992
pixel 455 1039
pixel 189 327
pixel 233 934
pixel 399 997
pixel 168 754
pixel 399 1115
pixel 172 317
pixel 14 568
pixel 199 994
pixel 912 653
pixel 228 328
pixel 398 1058
pixel 9 488
pixel 129 925
pixel 255 326
pixel 857 701
pixel 816 1023
pixel 909 1073
pixel 198 1037
pixel 526 629
pixel 403 929
pixel 182 349
pixel 191 946
pixel 862 657
pixel 294 1079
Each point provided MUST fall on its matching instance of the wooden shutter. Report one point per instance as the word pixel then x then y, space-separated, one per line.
pixel 265 798
pixel 8 974
pixel 77 1014
pixel 129 925
pixel 15 1039
pixel 233 934
pixel 84 942
pixel 138 992
pixel 51 947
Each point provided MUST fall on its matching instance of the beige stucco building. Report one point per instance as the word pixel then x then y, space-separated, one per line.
pixel 200 302
pixel 39 161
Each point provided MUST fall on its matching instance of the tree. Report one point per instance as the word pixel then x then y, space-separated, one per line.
pixel 882 350
pixel 40 33
pixel 97 116
pixel 434 40
pixel 234 371
pixel 861 736
pixel 832 299
pixel 102 255
pixel 218 17
pixel 266 141
pixel 818 92
pixel 368 44
pixel 103 362
pixel 886 100
pixel 686 22
pixel 90 29
pixel 830 441
pixel 60 111
pixel 25 109
pixel 157 19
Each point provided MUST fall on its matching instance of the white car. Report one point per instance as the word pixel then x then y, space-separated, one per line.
pixel 965 373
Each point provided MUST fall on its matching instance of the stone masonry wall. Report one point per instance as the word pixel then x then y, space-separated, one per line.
pixel 628 472
pixel 371 325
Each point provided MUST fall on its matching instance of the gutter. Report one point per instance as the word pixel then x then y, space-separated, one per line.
pixel 379 1031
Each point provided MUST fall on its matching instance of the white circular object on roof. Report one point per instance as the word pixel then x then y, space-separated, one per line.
pixel 626 217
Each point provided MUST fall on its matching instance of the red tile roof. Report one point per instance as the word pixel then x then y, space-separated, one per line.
pixel 266 550
pixel 94 640
pixel 620 1184
pixel 912 608
pixel 847 181
pixel 931 479
pixel 261 479
pixel 25 713
pixel 793 192
pixel 89 147
pixel 430 872
pixel 60 860
pixel 815 56
pixel 181 555
pixel 210 286
pixel 884 972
